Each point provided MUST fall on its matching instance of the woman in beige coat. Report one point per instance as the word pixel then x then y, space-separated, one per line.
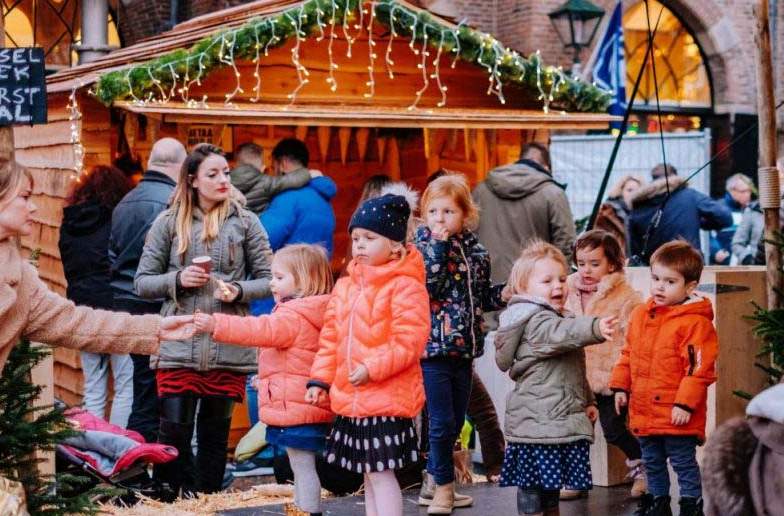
pixel 28 309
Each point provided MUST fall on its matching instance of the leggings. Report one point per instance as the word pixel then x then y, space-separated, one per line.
pixel 532 500
pixel 382 494
pixel 307 486
pixel 178 418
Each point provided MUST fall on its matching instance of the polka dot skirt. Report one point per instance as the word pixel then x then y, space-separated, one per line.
pixel 547 466
pixel 370 444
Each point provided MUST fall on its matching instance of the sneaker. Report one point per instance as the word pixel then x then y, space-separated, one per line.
pixel 650 505
pixel 638 476
pixel 228 479
pixel 691 506
pixel 253 467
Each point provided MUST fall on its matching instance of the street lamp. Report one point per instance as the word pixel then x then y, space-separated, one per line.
pixel 576 23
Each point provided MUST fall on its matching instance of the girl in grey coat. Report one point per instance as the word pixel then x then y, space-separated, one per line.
pixel 203 220
pixel 549 412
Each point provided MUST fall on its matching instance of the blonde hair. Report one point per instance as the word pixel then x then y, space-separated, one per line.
pixel 12 177
pixel 617 189
pixel 524 265
pixel 454 186
pixel 309 265
pixel 186 198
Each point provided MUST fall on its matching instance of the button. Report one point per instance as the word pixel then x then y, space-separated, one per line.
pixel 652 316
pixel 656 398
pixel 636 431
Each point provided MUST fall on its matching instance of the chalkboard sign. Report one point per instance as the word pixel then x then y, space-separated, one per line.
pixel 22 86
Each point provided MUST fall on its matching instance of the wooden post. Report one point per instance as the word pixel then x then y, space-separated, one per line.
pixel 768 178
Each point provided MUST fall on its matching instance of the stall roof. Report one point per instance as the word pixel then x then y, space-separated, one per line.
pixel 186 34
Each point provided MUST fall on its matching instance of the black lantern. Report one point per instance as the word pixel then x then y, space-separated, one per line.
pixel 576 23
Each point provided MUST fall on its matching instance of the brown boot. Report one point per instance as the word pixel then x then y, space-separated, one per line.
pixel 443 499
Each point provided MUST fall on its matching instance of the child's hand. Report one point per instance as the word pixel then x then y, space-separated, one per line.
pixel 507 293
pixel 177 327
pixel 315 395
pixel 439 232
pixel 679 416
pixel 204 323
pixel 607 326
pixel 592 412
pixel 226 292
pixel 359 376
pixel 621 400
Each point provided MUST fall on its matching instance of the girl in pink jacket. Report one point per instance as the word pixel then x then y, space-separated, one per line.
pixel 288 339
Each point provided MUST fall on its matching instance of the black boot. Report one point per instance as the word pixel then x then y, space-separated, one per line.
pixel 650 505
pixel 691 506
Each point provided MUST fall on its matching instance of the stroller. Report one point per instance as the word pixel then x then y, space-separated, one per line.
pixel 109 454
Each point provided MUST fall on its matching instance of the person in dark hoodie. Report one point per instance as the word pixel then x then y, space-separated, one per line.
pixel 259 188
pixel 84 242
pixel 684 211
pixel 131 220
pixel 520 203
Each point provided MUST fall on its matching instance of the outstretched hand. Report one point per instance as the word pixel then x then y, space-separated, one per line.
pixel 607 326
pixel 204 323
pixel 177 327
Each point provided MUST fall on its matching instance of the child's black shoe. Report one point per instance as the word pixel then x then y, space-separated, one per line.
pixel 691 506
pixel 653 506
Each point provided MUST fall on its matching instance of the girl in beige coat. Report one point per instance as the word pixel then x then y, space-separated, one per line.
pixel 28 309
pixel 599 288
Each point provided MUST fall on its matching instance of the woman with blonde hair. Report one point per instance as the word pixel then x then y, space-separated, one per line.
pixel 28 309
pixel 205 254
pixel 614 214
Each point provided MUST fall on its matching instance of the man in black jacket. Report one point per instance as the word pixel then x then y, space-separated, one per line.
pixel 131 220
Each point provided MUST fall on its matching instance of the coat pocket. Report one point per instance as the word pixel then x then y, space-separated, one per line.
pixel 563 407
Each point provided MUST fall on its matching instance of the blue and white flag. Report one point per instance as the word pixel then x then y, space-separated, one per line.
pixel 609 69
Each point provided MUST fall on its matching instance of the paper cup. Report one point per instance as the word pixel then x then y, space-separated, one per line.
pixel 203 262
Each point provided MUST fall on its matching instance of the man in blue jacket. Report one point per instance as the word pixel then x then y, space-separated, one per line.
pixel 131 219
pixel 686 212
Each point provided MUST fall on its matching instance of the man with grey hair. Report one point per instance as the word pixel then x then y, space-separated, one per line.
pixel 739 189
pixel 131 219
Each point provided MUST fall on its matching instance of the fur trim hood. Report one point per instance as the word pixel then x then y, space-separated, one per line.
pixel 656 188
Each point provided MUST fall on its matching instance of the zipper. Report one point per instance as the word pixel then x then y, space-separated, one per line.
pixel 351 336
pixel 470 298
pixel 231 251
pixel 692 361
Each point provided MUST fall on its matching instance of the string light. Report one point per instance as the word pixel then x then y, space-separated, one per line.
pixel 158 81
pixel 75 120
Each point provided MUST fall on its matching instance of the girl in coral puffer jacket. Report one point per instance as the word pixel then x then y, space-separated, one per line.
pixel 288 338
pixel 375 331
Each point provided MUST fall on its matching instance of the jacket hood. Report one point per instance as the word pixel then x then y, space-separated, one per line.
pixel 413 265
pixel 606 284
pixel 695 305
pixel 311 308
pixel 517 181
pixel 325 187
pixel 656 188
pixel 85 218
pixel 521 308
pixel 244 177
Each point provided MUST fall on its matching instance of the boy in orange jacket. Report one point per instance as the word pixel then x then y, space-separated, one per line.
pixel 663 374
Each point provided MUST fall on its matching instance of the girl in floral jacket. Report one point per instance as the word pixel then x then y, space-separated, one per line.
pixel 458 281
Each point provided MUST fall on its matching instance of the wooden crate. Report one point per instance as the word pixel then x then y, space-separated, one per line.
pixel 731 290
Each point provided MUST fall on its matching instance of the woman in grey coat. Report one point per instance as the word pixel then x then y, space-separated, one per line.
pixel 204 221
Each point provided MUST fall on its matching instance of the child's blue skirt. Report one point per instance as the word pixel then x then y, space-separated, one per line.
pixel 547 466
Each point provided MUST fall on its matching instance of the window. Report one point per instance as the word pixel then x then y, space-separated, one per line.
pixel 683 79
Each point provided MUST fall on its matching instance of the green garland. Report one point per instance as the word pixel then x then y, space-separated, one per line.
pixel 173 73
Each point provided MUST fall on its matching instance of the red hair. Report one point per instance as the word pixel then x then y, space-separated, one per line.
pixel 103 183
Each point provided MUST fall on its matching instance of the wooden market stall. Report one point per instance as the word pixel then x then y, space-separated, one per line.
pixel 405 97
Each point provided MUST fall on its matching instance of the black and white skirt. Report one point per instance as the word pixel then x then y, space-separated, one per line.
pixel 371 444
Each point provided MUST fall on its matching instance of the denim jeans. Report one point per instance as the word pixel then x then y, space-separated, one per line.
pixel 447 388
pixel 682 452
pixel 144 411
pixel 95 367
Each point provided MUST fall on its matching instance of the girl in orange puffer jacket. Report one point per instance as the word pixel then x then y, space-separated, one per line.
pixel 288 338
pixel 375 331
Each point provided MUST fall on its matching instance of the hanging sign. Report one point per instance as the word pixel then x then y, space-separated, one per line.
pixel 22 86
pixel 199 133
